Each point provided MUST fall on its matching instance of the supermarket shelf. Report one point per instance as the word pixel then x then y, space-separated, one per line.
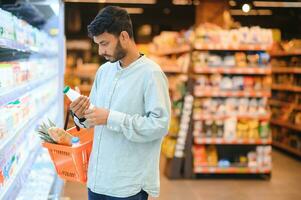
pixel 201 92
pixel 286 124
pixel 203 116
pixel 287 148
pixel 20 176
pixel 220 47
pixel 285 53
pixel 278 102
pixel 231 170
pixel 172 69
pixel 233 70
pixel 11 45
pixel 286 88
pixel 285 70
pixel 198 140
pixel 169 51
pixel 16 92
pixel 27 126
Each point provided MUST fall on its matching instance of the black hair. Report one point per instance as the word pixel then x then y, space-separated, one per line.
pixel 111 19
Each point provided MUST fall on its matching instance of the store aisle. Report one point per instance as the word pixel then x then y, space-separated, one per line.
pixel 284 185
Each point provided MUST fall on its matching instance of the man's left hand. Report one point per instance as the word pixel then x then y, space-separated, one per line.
pixel 96 116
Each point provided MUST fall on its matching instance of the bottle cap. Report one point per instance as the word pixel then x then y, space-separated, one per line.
pixel 66 89
pixel 74 140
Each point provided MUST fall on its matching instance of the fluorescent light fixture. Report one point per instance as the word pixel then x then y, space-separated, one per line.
pixel 114 1
pixel 246 8
pixel 253 12
pixel 232 3
pixel 182 2
pixel 277 4
pixel 134 10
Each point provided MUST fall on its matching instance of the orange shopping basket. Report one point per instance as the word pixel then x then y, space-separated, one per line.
pixel 71 163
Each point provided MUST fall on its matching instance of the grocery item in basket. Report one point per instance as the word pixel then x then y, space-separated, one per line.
pixel 43 132
pixel 60 136
pixel 75 141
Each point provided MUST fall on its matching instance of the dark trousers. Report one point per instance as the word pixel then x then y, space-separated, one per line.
pixel 142 195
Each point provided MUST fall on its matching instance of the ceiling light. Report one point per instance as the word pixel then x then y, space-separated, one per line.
pixel 232 3
pixel 134 10
pixel 277 4
pixel 114 1
pixel 253 12
pixel 181 2
pixel 246 8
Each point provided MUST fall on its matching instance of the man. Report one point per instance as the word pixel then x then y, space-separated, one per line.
pixel 131 113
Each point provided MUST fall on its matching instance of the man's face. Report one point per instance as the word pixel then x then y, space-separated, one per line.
pixel 109 47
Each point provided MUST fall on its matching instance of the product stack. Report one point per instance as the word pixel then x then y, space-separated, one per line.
pixel 285 102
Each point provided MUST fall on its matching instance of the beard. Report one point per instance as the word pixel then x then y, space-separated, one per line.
pixel 119 53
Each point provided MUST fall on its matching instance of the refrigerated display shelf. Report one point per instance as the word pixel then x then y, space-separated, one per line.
pixel 231 170
pixel 15 183
pixel 234 70
pixel 287 148
pixel 290 88
pixel 169 50
pixel 16 46
pixel 246 141
pixel 286 124
pixel 285 53
pixel 14 93
pixel 221 47
pixel 201 92
pixel 285 70
pixel 203 116
pixel 13 45
pixel 25 127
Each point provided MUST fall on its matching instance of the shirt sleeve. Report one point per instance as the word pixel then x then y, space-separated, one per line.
pixel 155 123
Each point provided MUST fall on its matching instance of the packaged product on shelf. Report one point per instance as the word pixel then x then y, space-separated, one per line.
pixel 168 40
pixel 200 156
pixel 208 34
pixel 230 128
pixel 6 26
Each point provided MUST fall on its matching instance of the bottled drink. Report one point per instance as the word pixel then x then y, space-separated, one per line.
pixel 73 95
pixel 75 142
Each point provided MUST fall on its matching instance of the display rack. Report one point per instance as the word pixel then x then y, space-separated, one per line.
pixel 204 163
pixel 247 67
pixel 285 103
pixel 31 83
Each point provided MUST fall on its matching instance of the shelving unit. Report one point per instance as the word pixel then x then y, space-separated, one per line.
pixel 285 103
pixel 246 65
pixel 215 94
pixel 31 81
pixel 231 170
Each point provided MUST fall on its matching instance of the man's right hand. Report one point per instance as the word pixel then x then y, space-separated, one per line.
pixel 80 105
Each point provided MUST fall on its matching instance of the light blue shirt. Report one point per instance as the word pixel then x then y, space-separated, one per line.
pixel 126 151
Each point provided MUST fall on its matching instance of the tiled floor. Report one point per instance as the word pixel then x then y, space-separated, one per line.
pixel 285 184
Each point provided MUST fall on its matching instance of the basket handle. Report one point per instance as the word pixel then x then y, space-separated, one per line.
pixel 68 113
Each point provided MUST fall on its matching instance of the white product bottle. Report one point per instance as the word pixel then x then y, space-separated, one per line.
pixel 73 95
pixel 75 142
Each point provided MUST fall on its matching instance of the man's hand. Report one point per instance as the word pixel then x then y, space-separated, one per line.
pixel 80 105
pixel 96 116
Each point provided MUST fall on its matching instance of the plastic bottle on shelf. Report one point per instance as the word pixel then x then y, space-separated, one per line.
pixel 75 142
pixel 73 95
